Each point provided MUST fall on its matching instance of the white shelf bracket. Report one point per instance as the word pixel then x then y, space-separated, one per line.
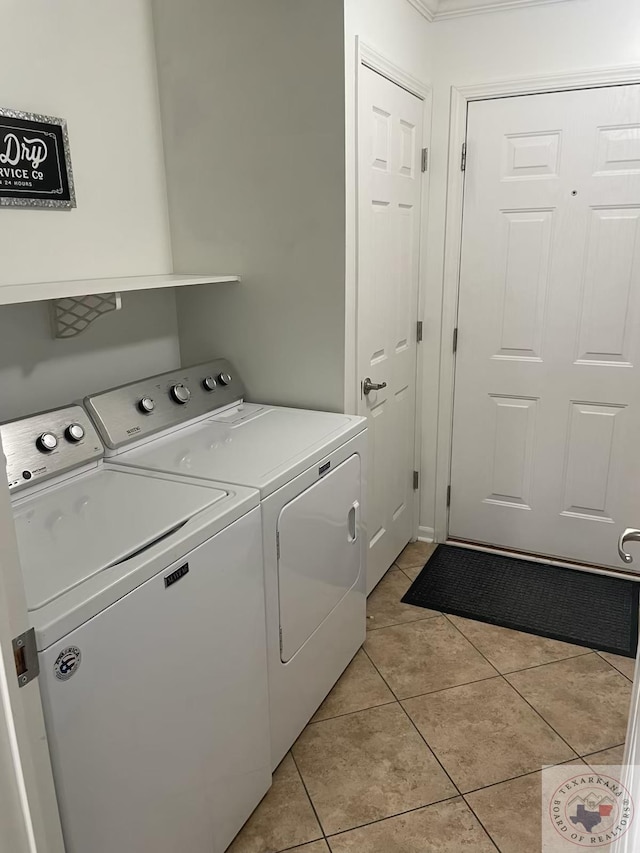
pixel 73 314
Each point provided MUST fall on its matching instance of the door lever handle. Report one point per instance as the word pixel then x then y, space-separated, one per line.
pixel 629 535
pixel 368 385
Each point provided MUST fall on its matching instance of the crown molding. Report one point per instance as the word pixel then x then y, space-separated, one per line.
pixel 442 10
pixel 427 8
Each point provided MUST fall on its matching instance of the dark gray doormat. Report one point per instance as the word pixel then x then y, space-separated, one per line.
pixel 591 610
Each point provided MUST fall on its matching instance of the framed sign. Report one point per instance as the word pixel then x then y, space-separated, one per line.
pixel 35 161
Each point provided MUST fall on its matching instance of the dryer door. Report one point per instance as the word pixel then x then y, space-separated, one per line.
pixel 319 560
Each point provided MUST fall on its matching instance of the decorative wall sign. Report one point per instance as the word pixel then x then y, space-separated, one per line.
pixel 35 161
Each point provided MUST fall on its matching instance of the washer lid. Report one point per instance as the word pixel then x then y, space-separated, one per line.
pixel 73 531
pixel 251 445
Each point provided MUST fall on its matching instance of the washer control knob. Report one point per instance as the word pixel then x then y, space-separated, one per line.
pixel 74 433
pixel 146 405
pixel 47 442
pixel 225 378
pixel 209 383
pixel 180 393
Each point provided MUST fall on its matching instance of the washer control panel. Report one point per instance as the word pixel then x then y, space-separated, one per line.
pixel 49 443
pixel 141 409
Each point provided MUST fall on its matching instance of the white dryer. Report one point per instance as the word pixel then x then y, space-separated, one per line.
pixel 309 469
pixel 146 593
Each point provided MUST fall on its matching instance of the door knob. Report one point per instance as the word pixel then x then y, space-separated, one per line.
pixel 629 535
pixel 368 385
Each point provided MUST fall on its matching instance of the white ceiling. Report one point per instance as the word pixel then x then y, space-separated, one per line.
pixel 437 10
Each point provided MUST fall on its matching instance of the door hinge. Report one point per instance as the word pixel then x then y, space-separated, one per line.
pixel 278 544
pixel 463 158
pixel 25 655
pixel 448 496
pixel 419 332
pixel 424 163
pixel 416 481
pixel 455 340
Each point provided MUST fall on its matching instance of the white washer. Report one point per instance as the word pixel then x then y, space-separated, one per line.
pixel 146 593
pixel 309 468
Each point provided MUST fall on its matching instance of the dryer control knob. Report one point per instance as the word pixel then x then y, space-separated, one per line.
pixel 225 378
pixel 74 433
pixel 46 442
pixel 146 405
pixel 180 393
pixel 209 383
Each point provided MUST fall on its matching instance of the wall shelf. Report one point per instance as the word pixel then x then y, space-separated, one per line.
pixel 10 294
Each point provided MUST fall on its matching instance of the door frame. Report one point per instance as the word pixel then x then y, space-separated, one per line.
pixel 461 96
pixel 370 57
pixel 29 818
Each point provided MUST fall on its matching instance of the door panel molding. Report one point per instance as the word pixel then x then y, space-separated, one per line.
pixel 461 96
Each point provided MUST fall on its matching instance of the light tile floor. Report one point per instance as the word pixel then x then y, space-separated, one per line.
pixel 435 733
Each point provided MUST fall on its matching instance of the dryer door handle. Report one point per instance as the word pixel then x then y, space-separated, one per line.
pixel 353 521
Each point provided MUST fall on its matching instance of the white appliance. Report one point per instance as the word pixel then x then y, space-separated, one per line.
pixel 146 593
pixel 309 469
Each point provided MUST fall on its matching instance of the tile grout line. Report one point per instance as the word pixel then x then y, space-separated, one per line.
pixel 357 711
pixel 612 665
pixel 522 775
pixel 444 689
pixel 587 650
pixel 535 710
pixel 514 778
pixel 484 829
pixel 400 698
pixel 306 790
pixel 406 622
pixel 537 665
pixel 399 701
pixel 497 675
pixel 488 834
pixel 379 673
pixel 404 711
pixel 524 698
pixel 388 817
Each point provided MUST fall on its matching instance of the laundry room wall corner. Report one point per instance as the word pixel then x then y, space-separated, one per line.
pixel 252 101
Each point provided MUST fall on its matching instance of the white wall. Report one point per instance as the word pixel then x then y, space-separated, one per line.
pixel 541 40
pixel 252 99
pixel 93 64
pixel 402 35
pixel 38 372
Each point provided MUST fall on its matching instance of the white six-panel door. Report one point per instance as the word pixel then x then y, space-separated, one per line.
pixel 546 453
pixel 389 166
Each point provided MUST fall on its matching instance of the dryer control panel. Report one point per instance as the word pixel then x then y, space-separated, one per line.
pixel 143 408
pixel 44 445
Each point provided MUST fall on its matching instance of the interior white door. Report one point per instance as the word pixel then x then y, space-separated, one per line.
pixel 547 392
pixel 389 169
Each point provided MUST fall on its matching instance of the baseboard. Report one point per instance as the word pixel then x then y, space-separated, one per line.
pixel 425 534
